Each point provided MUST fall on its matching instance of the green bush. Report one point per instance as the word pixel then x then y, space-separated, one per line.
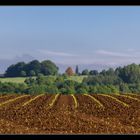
pixel 81 90
pixel 67 90
pixel 36 89
pixel 52 89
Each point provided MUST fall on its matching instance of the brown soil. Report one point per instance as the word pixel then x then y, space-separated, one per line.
pixel 64 118
pixel 5 97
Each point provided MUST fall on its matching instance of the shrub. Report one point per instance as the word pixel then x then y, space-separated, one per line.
pixel 23 73
pixel 36 89
pixel 52 89
pixel 32 73
pixel 81 90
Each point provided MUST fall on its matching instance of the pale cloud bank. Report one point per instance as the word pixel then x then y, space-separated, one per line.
pixel 102 57
pixel 107 57
pixel 129 53
pixel 110 53
pixel 55 53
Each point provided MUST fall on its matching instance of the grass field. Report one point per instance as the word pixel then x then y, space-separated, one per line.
pixel 22 79
pixel 14 80
pixel 77 78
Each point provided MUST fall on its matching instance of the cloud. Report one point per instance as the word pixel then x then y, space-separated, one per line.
pixel 131 50
pixel 110 53
pixel 55 53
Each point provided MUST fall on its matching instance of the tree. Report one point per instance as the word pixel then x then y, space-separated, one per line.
pixel 67 90
pixel 130 73
pixel 49 68
pixel 93 89
pixel 110 71
pixel 85 72
pixel 23 73
pixel 33 66
pixel 36 89
pixel 103 72
pixel 40 74
pixel 124 88
pixel 102 80
pixel 93 72
pixel 69 71
pixel 64 75
pixel 15 70
pixel 59 81
pixel 52 89
pixel 30 81
pixel 46 80
pixel 32 73
pixel 81 90
pixel 46 67
pixel 77 70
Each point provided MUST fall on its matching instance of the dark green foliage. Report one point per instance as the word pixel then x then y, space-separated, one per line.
pixel 134 88
pixel 93 89
pixel 52 89
pixel 23 73
pixel 59 81
pixel 77 70
pixel 102 80
pixel 124 88
pixel 82 88
pixel 49 68
pixel 32 68
pixel 30 81
pixel 85 72
pixel 32 73
pixel 67 90
pixel 36 89
pixel 93 72
pixel 103 89
pixel 8 87
pixel 130 73
pixel 15 70
pixel 64 75
pixel 40 74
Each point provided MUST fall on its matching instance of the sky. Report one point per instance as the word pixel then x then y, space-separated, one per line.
pixel 94 37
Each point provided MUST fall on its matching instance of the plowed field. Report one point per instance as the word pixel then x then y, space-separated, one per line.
pixel 69 114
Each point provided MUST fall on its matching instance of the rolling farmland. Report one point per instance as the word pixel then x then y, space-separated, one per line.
pixel 70 114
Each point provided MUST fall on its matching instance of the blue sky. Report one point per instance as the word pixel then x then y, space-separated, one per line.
pixel 92 36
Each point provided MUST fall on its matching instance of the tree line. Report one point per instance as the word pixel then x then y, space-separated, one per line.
pixel 120 80
pixel 33 68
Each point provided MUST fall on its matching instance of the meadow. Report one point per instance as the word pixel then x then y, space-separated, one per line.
pixel 22 79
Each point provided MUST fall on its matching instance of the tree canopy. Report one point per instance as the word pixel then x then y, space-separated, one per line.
pixel 33 68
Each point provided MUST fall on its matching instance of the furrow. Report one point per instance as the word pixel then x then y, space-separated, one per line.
pixel 75 101
pixel 53 101
pixel 117 100
pixel 133 98
pixel 94 99
pixel 12 100
pixel 31 100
